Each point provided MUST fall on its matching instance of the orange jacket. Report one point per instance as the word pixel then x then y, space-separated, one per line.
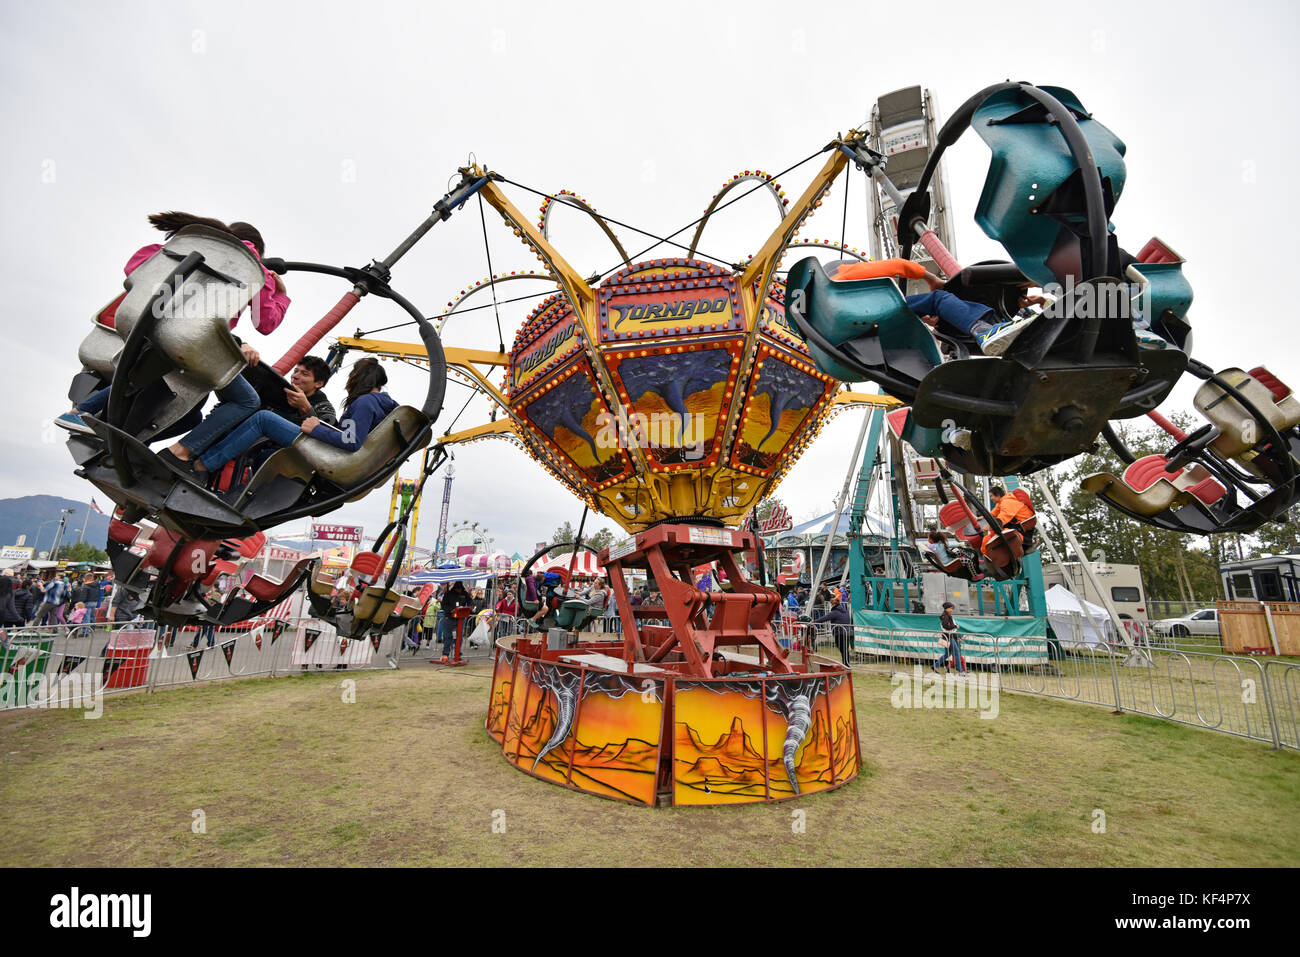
pixel 878 268
pixel 1009 509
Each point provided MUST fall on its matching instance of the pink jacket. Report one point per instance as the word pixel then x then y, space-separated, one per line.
pixel 268 311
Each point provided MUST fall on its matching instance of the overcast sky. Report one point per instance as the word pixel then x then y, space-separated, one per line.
pixel 334 127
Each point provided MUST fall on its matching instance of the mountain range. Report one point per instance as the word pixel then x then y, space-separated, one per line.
pixel 26 515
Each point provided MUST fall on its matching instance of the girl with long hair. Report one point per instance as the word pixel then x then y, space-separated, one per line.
pixel 367 405
pixel 238 400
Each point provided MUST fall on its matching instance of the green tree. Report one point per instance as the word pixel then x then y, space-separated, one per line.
pixel 1173 568
pixel 81 552
pixel 567 533
pixel 1278 538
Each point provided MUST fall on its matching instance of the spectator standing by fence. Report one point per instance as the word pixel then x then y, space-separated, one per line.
pixel 950 638
pixel 24 602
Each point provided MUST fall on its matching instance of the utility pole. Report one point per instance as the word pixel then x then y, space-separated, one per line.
pixel 58 532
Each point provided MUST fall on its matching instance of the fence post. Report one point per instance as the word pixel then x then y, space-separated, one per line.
pixel 1114 677
pixel 160 646
pixel 1268 707
pixel 271 649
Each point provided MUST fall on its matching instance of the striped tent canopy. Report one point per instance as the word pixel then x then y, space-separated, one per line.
pixel 446 572
pixel 585 566
pixel 488 560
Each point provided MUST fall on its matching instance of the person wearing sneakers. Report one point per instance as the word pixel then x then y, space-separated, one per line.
pixel 950 638
pixel 456 597
pixel 973 318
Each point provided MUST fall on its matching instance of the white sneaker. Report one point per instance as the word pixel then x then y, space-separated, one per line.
pixel 998 339
pixel 1149 340
pixel 958 438
pixel 73 423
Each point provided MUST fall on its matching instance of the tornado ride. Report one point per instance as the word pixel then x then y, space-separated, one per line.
pixel 672 395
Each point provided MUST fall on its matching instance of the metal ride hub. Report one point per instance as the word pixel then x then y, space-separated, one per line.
pixel 674 388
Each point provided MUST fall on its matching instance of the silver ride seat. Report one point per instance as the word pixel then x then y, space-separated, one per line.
pixel 193 330
pixel 1238 431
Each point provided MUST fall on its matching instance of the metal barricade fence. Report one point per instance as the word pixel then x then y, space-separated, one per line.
pixel 53 664
pixel 1231 694
pixel 1282 683
pixel 61 665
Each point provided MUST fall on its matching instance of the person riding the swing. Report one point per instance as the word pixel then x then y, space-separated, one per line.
pixel 1011 512
pixel 937 542
pixel 973 318
pixel 235 401
pixel 367 405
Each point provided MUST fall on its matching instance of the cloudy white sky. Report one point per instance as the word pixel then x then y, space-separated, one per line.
pixel 334 127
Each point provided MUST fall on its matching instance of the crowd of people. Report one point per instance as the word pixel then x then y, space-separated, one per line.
pixel 56 598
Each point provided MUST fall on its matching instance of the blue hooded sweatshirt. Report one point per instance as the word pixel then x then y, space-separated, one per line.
pixel 357 421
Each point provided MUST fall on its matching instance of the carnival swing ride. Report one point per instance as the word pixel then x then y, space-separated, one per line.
pixel 749 367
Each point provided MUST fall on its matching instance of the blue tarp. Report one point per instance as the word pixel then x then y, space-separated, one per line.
pixel 447 572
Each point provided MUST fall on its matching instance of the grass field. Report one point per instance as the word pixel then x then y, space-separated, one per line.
pixel 286 773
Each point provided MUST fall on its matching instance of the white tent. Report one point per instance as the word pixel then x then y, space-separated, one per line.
pixel 1075 621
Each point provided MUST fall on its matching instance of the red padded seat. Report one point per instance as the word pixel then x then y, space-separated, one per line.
pixel 1271 382
pixel 368 564
pixel 1146 471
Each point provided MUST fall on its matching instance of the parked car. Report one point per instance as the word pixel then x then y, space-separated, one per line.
pixel 1203 622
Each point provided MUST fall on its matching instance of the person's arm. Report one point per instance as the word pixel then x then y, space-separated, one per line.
pixel 334 436
pixel 272 302
pixel 324 410
pixel 359 418
pixel 140 256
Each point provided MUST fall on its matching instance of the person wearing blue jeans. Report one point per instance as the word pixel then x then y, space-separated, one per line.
pixel 972 318
pixel 455 597
pixel 367 406
pixel 951 634
pixel 206 630
pixel 235 403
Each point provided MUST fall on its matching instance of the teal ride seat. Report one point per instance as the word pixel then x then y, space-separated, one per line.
pixel 1033 192
pixel 573 614
pixel 860 329
pixel 1162 298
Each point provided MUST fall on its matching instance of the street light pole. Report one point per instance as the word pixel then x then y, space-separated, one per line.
pixel 58 533
pixel 36 539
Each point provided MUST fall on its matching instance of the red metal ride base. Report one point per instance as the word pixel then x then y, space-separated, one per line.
pixel 676 713
pixel 460 614
pixel 701 623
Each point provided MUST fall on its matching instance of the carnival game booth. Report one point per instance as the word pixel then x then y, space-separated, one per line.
pixel 985 641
